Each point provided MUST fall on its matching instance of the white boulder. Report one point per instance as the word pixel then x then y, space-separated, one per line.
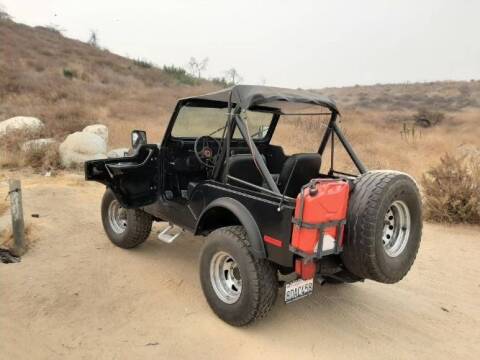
pixel 23 123
pixel 80 147
pixel 98 129
pixel 37 144
pixel 116 153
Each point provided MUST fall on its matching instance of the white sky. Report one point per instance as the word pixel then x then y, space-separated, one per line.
pixel 303 43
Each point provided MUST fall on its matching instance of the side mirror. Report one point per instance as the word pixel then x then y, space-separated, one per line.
pixel 139 137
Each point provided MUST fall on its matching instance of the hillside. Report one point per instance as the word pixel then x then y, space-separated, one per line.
pixel 444 96
pixel 58 79
pixel 69 84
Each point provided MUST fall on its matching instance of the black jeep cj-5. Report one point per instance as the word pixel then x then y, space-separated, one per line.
pixel 268 216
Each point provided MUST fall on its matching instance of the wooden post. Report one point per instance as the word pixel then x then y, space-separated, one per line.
pixel 18 225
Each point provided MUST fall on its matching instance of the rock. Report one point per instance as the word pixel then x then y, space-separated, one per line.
pixel 37 144
pixel 98 129
pixel 23 123
pixel 116 153
pixel 80 147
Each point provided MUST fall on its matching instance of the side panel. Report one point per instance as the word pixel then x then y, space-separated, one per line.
pixel 271 222
pixel 133 179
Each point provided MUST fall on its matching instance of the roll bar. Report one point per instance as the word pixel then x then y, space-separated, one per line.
pixel 235 119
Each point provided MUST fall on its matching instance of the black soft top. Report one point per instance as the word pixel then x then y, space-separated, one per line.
pixel 248 96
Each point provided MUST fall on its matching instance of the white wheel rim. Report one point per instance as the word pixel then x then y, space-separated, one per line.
pixel 117 217
pixel 396 229
pixel 225 277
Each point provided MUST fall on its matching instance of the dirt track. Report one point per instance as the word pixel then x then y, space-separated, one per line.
pixel 76 296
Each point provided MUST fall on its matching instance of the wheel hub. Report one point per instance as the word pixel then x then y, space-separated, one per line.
pixel 117 217
pixel 225 277
pixel 396 229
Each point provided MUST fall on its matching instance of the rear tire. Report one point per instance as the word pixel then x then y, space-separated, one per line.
pixel 126 228
pixel 384 226
pixel 238 287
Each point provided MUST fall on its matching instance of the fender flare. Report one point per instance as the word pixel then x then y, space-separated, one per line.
pixel 244 217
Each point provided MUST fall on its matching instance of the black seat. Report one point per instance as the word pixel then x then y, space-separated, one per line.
pixel 242 167
pixel 303 168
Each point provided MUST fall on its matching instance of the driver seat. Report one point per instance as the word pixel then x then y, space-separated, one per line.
pixel 242 167
pixel 303 167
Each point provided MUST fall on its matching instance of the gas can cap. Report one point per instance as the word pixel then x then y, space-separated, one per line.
pixel 313 190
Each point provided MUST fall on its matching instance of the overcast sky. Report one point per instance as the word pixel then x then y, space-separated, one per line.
pixel 302 43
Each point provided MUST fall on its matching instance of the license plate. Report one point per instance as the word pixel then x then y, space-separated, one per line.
pixel 298 289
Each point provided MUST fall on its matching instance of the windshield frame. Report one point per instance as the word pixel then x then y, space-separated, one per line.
pixel 220 131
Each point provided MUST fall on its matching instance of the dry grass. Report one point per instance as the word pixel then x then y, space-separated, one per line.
pixel 42 158
pixel 38 157
pixel 6 237
pixel 452 190
pixel 69 84
pixel 380 143
pixel 4 206
pixel 101 87
pixel 446 96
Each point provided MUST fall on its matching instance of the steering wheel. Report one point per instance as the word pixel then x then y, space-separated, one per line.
pixel 206 150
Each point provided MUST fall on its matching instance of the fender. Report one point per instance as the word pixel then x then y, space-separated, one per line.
pixel 244 217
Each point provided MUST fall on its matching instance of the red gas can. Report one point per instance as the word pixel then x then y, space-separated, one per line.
pixel 320 213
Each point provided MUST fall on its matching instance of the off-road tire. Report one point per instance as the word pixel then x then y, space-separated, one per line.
pixel 259 277
pixel 364 253
pixel 139 224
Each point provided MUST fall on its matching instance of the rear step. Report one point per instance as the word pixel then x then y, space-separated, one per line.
pixel 167 237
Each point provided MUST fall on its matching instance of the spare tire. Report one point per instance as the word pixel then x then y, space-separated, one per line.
pixel 384 226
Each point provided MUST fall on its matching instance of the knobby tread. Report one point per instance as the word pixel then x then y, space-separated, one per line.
pixel 265 276
pixel 360 251
pixel 139 225
pixel 262 277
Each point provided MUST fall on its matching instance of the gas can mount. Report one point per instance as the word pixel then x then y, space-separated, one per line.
pixel 318 223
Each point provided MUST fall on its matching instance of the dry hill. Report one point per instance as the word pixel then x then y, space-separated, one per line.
pixel 447 96
pixel 69 84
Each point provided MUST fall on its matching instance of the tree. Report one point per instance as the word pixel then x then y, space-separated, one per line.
pixel 233 76
pixel 93 39
pixel 196 67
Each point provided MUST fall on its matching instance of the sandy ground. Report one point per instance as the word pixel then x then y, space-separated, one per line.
pixel 74 295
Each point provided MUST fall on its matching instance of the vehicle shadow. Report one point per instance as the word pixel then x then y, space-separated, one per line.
pixel 335 306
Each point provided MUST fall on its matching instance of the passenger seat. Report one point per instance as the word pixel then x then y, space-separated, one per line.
pixel 303 168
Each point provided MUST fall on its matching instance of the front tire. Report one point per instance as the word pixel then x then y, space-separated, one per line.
pixel 126 228
pixel 238 287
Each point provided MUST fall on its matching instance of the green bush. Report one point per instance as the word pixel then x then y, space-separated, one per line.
pixel 70 73
pixel 427 118
pixel 452 190
pixel 180 74
pixel 221 81
pixel 143 63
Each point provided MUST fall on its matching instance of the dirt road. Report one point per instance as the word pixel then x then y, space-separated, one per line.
pixel 74 295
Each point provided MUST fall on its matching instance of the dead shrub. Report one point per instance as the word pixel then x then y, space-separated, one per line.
pixel 43 158
pixel 452 190
pixel 6 237
pixel 68 118
pixel 427 118
pixel 11 147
